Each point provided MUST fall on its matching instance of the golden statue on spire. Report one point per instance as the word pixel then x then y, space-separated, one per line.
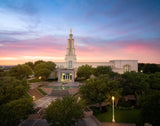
pixel 71 30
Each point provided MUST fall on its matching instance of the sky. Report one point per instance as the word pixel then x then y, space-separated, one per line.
pixel 103 30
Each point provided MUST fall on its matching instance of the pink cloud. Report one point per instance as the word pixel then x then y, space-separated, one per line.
pixel 144 52
pixel 99 52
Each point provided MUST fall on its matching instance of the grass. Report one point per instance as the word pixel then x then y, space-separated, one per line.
pixel 34 80
pixel 40 90
pixel 122 116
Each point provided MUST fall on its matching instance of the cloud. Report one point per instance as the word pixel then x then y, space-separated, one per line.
pixel 7 32
pixel 47 45
pixel 21 6
pixel 1 45
pixel 103 29
pixel 20 11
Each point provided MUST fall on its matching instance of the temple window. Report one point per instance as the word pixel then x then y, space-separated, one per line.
pixel 126 68
pixel 70 64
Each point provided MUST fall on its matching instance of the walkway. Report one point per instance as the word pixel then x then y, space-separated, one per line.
pixel 44 101
pixel 35 93
pixel 90 122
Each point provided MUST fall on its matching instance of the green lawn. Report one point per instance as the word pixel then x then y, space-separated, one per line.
pixel 34 80
pixel 40 90
pixel 122 116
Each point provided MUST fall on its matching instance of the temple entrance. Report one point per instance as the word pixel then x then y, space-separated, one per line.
pixel 66 75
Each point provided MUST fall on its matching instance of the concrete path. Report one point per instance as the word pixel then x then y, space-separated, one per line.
pixel 44 101
pixel 90 122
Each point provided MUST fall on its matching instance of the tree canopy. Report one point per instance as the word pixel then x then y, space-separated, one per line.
pixel 154 80
pixel 14 111
pixel 31 64
pixel 44 69
pixel 84 71
pixel 100 89
pixel 20 71
pixel 148 68
pixel 38 62
pixel 102 70
pixel 151 108
pixel 12 89
pixel 64 112
pixel 134 83
pixel 14 101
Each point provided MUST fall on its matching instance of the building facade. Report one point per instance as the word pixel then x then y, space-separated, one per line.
pixel 67 70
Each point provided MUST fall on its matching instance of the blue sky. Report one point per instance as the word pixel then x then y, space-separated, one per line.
pixel 102 29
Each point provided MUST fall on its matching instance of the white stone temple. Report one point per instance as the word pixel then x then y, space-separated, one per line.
pixel 67 70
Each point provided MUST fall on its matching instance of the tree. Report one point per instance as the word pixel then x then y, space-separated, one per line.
pixel 20 71
pixel 15 104
pixel 140 67
pixel 94 91
pixel 11 89
pixel 64 112
pixel 43 72
pixel 14 111
pixel 38 62
pixel 134 83
pixel 154 80
pixel 44 69
pixel 30 64
pixel 84 71
pixel 100 89
pixel 148 68
pixel 151 108
pixel 113 89
pixel 102 70
pixel 1 72
pixel 51 65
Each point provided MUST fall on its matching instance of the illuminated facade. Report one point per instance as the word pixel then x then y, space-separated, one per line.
pixel 67 70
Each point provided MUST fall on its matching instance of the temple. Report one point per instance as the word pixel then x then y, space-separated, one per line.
pixel 66 71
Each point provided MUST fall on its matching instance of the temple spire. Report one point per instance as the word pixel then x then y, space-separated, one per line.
pixel 71 31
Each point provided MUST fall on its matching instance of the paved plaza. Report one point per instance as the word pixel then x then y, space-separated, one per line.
pixel 44 101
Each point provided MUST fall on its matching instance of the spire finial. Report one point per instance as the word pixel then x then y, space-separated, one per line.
pixel 71 31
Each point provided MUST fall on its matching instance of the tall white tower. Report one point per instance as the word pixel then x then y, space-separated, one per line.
pixel 70 58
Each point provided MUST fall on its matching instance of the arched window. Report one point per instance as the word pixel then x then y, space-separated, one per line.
pixel 126 68
pixel 70 64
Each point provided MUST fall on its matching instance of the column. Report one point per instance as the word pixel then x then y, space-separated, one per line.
pixel 59 76
pixel 65 76
pixel 72 76
pixel 69 77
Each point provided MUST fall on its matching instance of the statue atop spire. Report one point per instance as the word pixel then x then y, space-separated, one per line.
pixel 71 33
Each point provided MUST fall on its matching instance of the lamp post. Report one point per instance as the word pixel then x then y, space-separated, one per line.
pixel 113 120
pixel 40 78
pixel 33 97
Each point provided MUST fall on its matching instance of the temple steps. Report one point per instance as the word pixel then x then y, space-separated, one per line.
pixel 36 93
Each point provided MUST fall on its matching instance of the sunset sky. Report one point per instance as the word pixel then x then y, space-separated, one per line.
pixel 103 30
